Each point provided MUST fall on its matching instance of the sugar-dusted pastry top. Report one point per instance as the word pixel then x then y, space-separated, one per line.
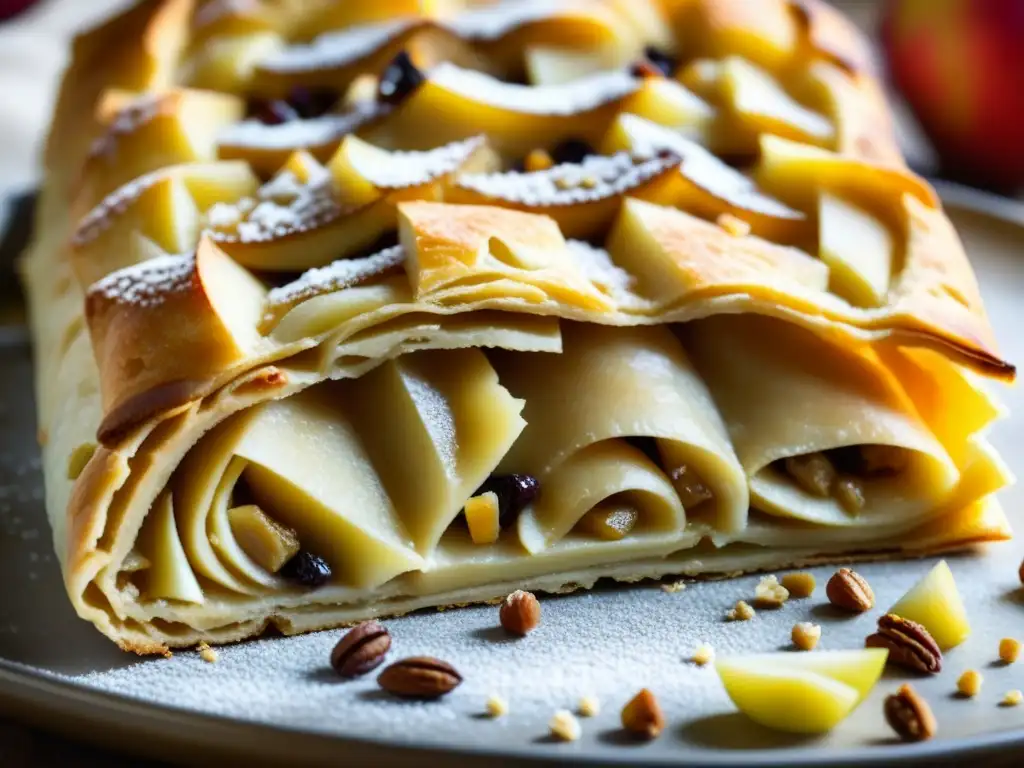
pixel 277 229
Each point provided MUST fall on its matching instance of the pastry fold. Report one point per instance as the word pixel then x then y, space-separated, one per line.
pixel 344 310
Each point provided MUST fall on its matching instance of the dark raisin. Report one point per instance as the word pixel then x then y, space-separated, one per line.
pixel 273 111
pixel 514 493
pixel 401 77
pixel 666 62
pixel 312 102
pixel 572 151
pixel 307 569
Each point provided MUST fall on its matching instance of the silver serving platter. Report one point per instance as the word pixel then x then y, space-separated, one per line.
pixel 275 699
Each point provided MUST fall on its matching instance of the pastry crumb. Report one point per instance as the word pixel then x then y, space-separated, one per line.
pixel 589 706
pixel 206 653
pixel 496 706
pixel 769 593
pixel 1009 649
pixel 969 684
pixel 806 635
pixel 565 726
pixel 704 654
pixel 741 612
pixel 801 584
pixel 675 586
pixel 1012 698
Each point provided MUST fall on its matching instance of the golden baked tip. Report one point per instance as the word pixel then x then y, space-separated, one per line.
pixel 346 309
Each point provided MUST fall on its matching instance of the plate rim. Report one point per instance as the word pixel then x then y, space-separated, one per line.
pixel 58 704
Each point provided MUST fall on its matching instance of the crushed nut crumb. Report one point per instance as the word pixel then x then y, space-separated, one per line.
pixel 564 725
pixel 704 654
pixel 1012 698
pixel 1009 649
pixel 800 584
pixel 969 683
pixel 806 635
pixel 206 653
pixel 733 225
pixel 589 706
pixel 741 612
pixel 769 593
pixel 496 706
pixel 675 586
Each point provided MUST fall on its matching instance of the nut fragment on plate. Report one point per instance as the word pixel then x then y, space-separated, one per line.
pixel 206 653
pixel 909 715
pixel 361 649
pixel 1012 698
pixel 1009 650
pixel 675 586
pixel 520 613
pixel 496 706
pixel 806 635
pixel 419 677
pixel 969 684
pixel 908 643
pixel 704 654
pixel 565 726
pixel 642 716
pixel 769 593
pixel 850 591
pixel 589 706
pixel 801 584
pixel 741 612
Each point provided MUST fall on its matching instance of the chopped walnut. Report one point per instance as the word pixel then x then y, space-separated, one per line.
pixel 813 472
pixel 849 493
pixel 206 653
pixel 800 584
pixel 741 612
pixel 496 706
pixel 769 593
pixel 589 706
pixel 1012 698
pixel 1009 650
pixel 806 635
pixel 969 683
pixel 675 586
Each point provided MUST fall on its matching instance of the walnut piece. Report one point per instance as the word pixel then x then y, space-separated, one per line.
pixel 850 591
pixel 565 726
pixel 806 635
pixel 769 593
pixel 642 716
pixel 520 613
pixel 801 584
pixel 1012 698
pixel 496 706
pixel 704 654
pixel 909 715
pixel 1009 650
pixel 589 706
pixel 741 612
pixel 969 684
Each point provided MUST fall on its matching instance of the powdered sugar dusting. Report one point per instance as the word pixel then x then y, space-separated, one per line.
pixel 128 120
pixel 395 170
pixel 599 268
pixel 301 134
pixel 99 219
pixel 337 49
pixel 147 284
pixel 436 414
pixel 494 22
pixel 340 274
pixel 571 98
pixel 596 178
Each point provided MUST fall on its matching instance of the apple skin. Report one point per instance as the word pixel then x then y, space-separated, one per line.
pixel 960 66
pixel 9 8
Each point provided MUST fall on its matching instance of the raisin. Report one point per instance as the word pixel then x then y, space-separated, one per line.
pixel 572 151
pixel 312 102
pixel 514 493
pixel 401 77
pixel 666 62
pixel 306 569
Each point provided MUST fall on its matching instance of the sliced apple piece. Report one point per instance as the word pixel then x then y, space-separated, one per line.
pixel 582 199
pixel 858 249
pixel 801 693
pixel 309 215
pixel 262 538
pixel 935 603
pixel 710 187
pixel 668 103
pixel 765 32
pixel 267 147
pixel 227 64
pixel 154 131
pixel 798 172
pixel 760 104
pixel 455 103
pixel 546 65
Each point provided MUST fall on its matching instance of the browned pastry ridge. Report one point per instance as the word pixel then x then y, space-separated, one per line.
pixel 349 232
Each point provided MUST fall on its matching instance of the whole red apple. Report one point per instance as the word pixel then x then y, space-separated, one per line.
pixel 9 8
pixel 960 65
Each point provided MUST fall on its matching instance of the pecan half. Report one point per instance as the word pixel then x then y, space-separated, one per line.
pixel 908 642
pixel 362 649
pixel 849 590
pixel 419 677
pixel 909 715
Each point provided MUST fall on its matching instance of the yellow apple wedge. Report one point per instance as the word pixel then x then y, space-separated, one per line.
pixel 935 603
pixel 801 693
